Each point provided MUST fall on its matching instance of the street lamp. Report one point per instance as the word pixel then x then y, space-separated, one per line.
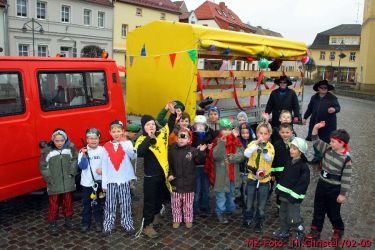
pixel 341 56
pixel 35 26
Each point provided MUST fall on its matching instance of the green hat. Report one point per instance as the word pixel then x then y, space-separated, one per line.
pixel 225 123
pixel 179 105
pixel 300 144
pixel 131 127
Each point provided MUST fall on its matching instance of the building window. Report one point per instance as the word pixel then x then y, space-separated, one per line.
pixel 124 30
pixel 42 50
pixel 101 16
pixel 66 51
pixel 65 14
pixel 22 8
pixel 138 12
pixel 162 16
pixel 41 10
pixel 86 17
pixel 23 50
pixel 332 55
pixel 322 55
pixel 352 56
pixel 333 40
pixel 224 14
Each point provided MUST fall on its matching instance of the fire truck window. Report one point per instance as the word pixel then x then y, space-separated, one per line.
pixel 11 94
pixel 65 90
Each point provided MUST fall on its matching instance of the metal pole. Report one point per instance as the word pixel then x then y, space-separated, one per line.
pixel 32 30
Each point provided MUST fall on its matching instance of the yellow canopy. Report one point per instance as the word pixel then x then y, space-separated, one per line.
pixel 161 60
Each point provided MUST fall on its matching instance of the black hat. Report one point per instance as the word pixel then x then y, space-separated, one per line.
pixel 145 119
pixel 323 82
pixel 283 79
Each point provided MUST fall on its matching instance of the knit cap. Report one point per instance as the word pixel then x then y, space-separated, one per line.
pixel 215 109
pixel 179 105
pixel 132 127
pixel 145 119
pixel 225 123
pixel 200 119
pixel 300 144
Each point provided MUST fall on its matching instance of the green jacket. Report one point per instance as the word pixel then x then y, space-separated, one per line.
pixel 222 182
pixel 59 168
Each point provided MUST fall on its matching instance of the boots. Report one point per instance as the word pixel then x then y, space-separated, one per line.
pixel 69 223
pixel 281 235
pixel 222 219
pixel 52 228
pixel 337 234
pixel 150 232
pixel 258 227
pixel 314 233
pixel 189 225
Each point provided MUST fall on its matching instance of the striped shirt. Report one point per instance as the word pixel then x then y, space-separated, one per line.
pixel 333 163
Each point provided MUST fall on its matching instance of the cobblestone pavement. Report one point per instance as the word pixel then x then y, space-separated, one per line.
pixel 23 220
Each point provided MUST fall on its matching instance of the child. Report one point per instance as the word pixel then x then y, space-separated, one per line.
pixel 285 117
pixel 58 166
pixel 291 188
pixel 202 135
pixel 90 162
pixel 334 181
pixel 213 120
pixel 242 118
pixel 260 154
pixel 117 172
pixel 282 155
pixel 182 157
pixel 223 168
pixel 131 131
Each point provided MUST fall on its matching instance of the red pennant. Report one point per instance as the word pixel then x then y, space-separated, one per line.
pixel 172 57
pixel 116 157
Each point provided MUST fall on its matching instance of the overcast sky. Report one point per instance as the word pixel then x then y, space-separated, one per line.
pixel 294 19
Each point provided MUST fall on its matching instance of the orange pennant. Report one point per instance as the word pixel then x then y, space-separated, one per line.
pixel 157 59
pixel 172 57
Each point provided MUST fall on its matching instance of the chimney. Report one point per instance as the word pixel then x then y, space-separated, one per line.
pixel 222 5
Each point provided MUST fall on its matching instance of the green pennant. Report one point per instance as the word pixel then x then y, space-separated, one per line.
pixel 193 55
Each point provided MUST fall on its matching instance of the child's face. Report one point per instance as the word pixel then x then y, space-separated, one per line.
pixel 213 116
pixel 117 133
pixel 285 118
pixel 92 141
pixel 263 134
pixel 59 141
pixel 183 139
pixel 150 127
pixel 294 152
pixel 245 133
pixel 241 119
pixel 336 145
pixel 285 133
pixel 226 132
pixel 184 123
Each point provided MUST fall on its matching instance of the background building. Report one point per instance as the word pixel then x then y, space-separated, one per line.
pixel 60 27
pixel 132 14
pixel 3 27
pixel 327 47
pixel 366 65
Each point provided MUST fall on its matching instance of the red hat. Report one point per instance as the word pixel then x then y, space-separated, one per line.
pixel 188 131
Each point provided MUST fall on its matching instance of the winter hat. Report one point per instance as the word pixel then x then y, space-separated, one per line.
pixel 323 82
pixel 300 144
pixel 117 123
pixel 215 109
pixel 283 79
pixel 179 105
pixel 225 123
pixel 200 119
pixel 145 119
pixel 92 132
pixel 59 131
pixel 187 131
pixel 243 114
pixel 132 127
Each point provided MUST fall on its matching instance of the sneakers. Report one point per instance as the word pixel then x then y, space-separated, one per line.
pixel 158 220
pixel 130 231
pixel 189 224
pixel 258 227
pixel 68 223
pixel 150 232
pixel 52 228
pixel 222 219
pixel 247 223
pixel 337 234
pixel 85 229
pixel 280 235
pixel 176 225
pixel 314 233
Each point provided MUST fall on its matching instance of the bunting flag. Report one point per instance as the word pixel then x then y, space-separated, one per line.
pixel 223 66
pixel 143 51
pixel 172 57
pixel 193 55
pixel 233 62
pixel 227 51
pixel 157 59
pixel 131 60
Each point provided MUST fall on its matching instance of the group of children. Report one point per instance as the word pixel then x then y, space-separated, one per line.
pixel 183 159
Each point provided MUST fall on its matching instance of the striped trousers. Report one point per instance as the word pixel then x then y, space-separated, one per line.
pixel 120 192
pixel 182 202
pixel 54 201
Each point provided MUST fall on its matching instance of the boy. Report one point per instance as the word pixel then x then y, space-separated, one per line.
pixel 291 188
pixel 213 120
pixel 260 154
pixel 131 131
pixel 282 155
pixel 285 117
pixel 223 168
pixel 58 166
pixel 117 172
pixel 334 181
pixel 90 162
pixel 182 157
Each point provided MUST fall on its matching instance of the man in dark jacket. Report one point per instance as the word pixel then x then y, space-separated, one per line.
pixel 282 98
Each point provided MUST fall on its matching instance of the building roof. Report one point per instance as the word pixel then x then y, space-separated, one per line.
pixel 181 6
pixel 100 2
pixel 185 15
pixel 209 10
pixel 165 5
pixel 266 32
pixel 2 3
pixel 321 40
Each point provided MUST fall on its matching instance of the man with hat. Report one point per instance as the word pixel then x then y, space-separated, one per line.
pixel 280 99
